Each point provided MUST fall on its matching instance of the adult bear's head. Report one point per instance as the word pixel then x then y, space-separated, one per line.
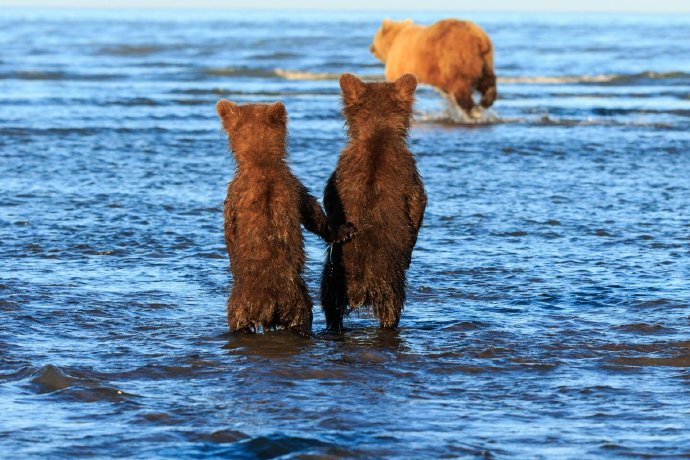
pixel 385 37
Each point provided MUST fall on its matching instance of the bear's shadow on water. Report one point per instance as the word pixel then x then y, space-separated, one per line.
pixel 270 344
pixel 286 344
pixel 371 337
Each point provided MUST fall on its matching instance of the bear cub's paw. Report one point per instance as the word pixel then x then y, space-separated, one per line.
pixel 344 233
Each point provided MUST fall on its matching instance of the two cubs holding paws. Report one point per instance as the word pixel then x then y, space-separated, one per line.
pixel 374 204
pixel 264 208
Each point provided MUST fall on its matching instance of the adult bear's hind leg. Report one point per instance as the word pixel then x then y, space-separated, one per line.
pixel 461 92
pixel 487 87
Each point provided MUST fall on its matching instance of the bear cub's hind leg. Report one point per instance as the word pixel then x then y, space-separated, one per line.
pixel 333 298
pixel 239 319
pixel 388 310
pixel 298 318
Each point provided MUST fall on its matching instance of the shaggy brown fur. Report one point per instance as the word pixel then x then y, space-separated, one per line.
pixel 454 56
pixel 377 187
pixel 264 207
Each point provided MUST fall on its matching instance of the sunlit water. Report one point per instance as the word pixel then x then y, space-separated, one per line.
pixel 548 309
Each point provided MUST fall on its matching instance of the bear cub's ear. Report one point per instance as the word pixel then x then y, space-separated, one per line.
pixel 405 87
pixel 277 113
pixel 226 108
pixel 353 88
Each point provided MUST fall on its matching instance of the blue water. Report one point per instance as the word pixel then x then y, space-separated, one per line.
pixel 548 311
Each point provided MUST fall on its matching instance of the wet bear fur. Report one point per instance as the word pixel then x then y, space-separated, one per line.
pixel 264 208
pixel 376 187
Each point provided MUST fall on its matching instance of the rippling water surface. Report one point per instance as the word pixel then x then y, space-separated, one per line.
pixel 549 296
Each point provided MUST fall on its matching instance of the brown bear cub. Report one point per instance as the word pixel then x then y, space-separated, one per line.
pixel 377 187
pixel 264 208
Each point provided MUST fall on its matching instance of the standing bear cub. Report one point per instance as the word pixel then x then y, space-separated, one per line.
pixel 454 56
pixel 377 187
pixel 264 208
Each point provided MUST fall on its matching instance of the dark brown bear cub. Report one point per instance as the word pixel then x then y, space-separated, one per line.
pixel 377 187
pixel 264 208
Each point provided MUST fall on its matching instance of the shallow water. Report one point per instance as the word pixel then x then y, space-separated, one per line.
pixel 548 308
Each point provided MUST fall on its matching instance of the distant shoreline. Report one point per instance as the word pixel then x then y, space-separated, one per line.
pixel 388 12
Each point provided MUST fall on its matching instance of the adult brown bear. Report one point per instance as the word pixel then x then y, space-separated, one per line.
pixel 377 187
pixel 264 208
pixel 454 56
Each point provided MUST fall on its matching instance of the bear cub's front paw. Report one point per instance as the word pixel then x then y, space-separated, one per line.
pixel 345 232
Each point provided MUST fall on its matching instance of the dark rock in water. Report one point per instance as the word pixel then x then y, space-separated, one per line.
pixel 644 328
pixel 95 394
pixel 280 445
pixel 226 436
pixel 50 378
pixel 602 232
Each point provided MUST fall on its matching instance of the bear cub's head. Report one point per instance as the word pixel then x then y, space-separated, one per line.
pixel 378 106
pixel 256 131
